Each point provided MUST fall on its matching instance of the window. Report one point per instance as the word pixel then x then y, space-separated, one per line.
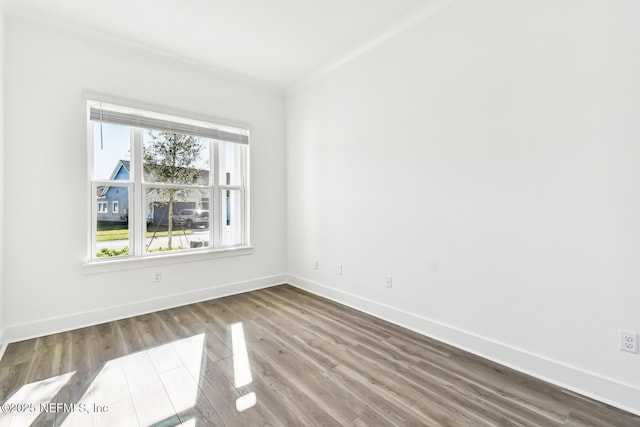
pixel 174 184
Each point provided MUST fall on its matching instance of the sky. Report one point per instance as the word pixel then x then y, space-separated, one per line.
pixel 112 143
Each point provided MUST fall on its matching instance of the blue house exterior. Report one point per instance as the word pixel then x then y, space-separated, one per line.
pixel 113 201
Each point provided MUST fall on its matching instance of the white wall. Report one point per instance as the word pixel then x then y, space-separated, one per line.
pixel 47 69
pixel 487 158
pixel 2 169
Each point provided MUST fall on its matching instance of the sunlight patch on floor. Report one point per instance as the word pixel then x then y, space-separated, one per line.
pixel 145 388
pixel 241 367
pixel 28 401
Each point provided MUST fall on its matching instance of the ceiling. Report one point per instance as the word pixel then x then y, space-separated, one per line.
pixel 274 41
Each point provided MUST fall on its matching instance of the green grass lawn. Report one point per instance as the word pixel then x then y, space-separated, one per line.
pixel 106 235
pixel 105 252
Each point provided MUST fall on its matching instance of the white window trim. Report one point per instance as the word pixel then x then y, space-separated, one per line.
pixel 115 207
pixel 113 264
pixel 137 259
pixel 105 209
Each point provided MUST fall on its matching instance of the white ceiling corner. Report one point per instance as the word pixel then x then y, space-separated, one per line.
pixel 278 42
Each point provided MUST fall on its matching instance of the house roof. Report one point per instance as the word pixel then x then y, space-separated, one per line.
pixel 119 165
pixel 203 174
pixel 202 179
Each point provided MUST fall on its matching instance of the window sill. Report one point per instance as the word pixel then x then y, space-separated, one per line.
pixel 111 265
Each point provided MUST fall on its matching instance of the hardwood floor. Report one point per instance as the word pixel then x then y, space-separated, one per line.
pixel 277 356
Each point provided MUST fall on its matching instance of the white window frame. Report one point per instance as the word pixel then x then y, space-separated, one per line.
pixel 103 207
pixel 137 190
pixel 115 207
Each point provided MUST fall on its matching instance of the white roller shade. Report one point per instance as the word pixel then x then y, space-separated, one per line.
pixel 109 113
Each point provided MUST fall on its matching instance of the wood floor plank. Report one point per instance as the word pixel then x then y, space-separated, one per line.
pixel 21 351
pixel 202 412
pixel 152 331
pixel 300 399
pixel 76 359
pixel 295 396
pixel 475 396
pixel 212 315
pixel 105 344
pixel 401 387
pixel 130 336
pixel 335 314
pixel 12 378
pixel 587 412
pixel 324 393
pixel 352 316
pixel 268 400
pixel 358 362
pixel 372 418
pixel 222 395
pixel 380 402
pixel 312 361
pixel 482 380
pixel 298 339
pixel 46 359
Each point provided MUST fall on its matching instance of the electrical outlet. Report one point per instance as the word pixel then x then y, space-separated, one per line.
pixel 629 341
pixel 388 282
pixel 338 269
pixel 157 278
pixel 316 265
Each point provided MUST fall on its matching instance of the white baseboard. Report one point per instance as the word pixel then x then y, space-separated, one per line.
pixel 23 331
pixel 606 390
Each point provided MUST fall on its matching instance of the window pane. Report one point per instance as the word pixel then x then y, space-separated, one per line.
pixel 112 230
pixel 230 163
pixel 187 226
pixel 175 158
pixel 111 151
pixel 231 204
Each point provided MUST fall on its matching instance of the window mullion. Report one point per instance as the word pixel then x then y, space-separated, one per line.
pixel 215 211
pixel 94 219
pixel 139 209
pixel 244 177
pixel 93 208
